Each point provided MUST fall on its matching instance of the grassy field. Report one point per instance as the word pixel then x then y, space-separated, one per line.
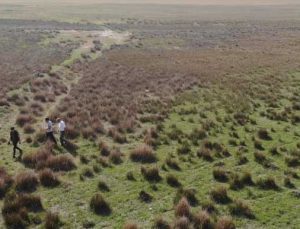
pixel 177 116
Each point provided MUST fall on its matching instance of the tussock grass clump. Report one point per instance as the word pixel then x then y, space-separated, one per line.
pixel 104 149
pixel 151 174
pixel 145 197
pixel 28 129
pixel 161 223
pixel 173 164
pixel 173 181
pixel 103 186
pixel 16 209
pixel 87 172
pixel 292 161
pixel 225 222
pixel 209 206
pixel 52 221
pixel 116 156
pixel 143 154
pixel 246 178
pixel 61 162
pixel 23 119
pixel 241 208
pixel 84 159
pixel 48 178
pixel 183 208
pixel 206 154
pixel 185 148
pixel 6 182
pixel 220 175
pixel 264 134
pixel 202 220
pixel 99 205
pixel 130 176
pixel 258 145
pixel 242 159
pixel 267 183
pixel 197 134
pixel 189 194
pixel 26 181
pixel 288 183
pixel 182 223
pixel 219 195
pixel 236 182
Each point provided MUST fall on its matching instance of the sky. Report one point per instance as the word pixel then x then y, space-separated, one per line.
pixel 197 2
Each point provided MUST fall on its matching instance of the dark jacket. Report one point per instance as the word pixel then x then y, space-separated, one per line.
pixel 14 136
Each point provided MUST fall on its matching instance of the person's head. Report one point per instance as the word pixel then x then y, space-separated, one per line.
pixel 12 128
pixel 47 119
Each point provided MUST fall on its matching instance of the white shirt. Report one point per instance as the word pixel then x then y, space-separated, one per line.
pixel 49 127
pixel 61 126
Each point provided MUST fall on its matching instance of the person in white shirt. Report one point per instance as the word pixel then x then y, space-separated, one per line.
pixel 49 131
pixel 61 129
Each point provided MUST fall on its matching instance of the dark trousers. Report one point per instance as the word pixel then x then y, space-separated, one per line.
pixel 50 136
pixel 15 147
pixel 62 137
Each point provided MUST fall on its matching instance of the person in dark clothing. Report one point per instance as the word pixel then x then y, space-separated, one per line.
pixel 15 140
pixel 49 131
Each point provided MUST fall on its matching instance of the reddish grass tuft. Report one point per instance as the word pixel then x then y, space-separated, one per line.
pixel 225 223
pixel 183 208
pixel 219 194
pixel 99 205
pixel 160 223
pixel 202 220
pixel 26 181
pixel 5 182
pixel 151 174
pixel 182 223
pixel 130 226
pixel 143 154
pixel 48 178
pixel 52 221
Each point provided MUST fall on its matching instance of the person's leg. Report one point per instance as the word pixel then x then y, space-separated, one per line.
pixel 20 151
pixel 53 138
pixel 14 149
pixel 62 137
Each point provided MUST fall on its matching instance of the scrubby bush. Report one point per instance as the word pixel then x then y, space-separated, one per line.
pixel 48 178
pixel 183 208
pixel 143 154
pixel 103 186
pixel 145 197
pixel 116 156
pixel 219 194
pixel 151 174
pixel 258 145
pixel 240 208
pixel 99 205
pixel 225 223
pixel 182 223
pixel 267 183
pixel 220 175
pixel 26 181
pixel 185 148
pixel 104 149
pixel 28 129
pixel 209 206
pixel 264 134
pixel 202 220
pixel 173 164
pixel 130 176
pixel 189 194
pixel 5 182
pixel 87 172
pixel 206 154
pixel 61 162
pixel 160 223
pixel 173 181
pixel 23 119
pixel 52 221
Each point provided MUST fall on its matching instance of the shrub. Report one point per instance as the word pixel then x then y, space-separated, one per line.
pixel 202 220
pixel 185 148
pixel 189 194
pixel 99 205
pixel 264 134
pixel 236 182
pixel 116 156
pixel 219 194
pixel 28 129
pixel 206 154
pixel 151 174
pixel 23 119
pixel 246 178
pixel 173 164
pixel 61 163
pixel 48 178
pixel 103 186
pixel 130 176
pixel 225 223
pixel 173 181
pixel 182 223
pixel 86 172
pixel 52 221
pixel 267 183
pixel 104 149
pixel 143 154
pixel 220 175
pixel 145 197
pixel 26 181
pixel 5 182
pixel 240 208
pixel 183 208
pixel 32 203
pixel 160 223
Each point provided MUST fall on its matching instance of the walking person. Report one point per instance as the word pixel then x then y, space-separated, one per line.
pixel 15 140
pixel 61 129
pixel 49 131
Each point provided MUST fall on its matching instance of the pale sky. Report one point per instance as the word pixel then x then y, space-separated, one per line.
pixel 197 2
